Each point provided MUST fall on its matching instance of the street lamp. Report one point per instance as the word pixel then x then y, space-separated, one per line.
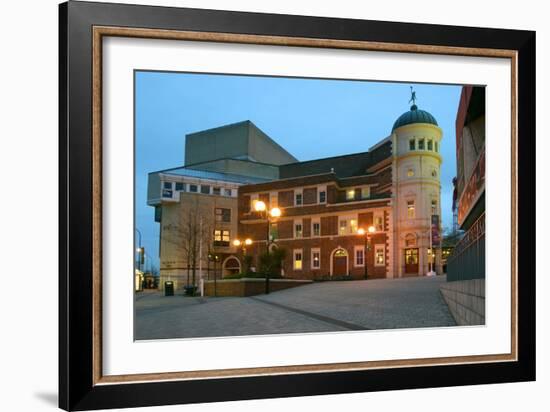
pixel 239 243
pixel 274 213
pixel 366 245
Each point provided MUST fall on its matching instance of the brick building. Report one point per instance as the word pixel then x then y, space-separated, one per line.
pixel 393 187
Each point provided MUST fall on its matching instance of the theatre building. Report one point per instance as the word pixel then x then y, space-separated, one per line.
pixel 327 205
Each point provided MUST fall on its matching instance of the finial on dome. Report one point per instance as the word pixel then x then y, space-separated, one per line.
pixel 413 99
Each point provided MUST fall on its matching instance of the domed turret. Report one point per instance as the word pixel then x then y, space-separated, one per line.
pixel 414 116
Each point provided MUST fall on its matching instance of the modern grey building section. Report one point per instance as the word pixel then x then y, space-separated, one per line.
pixel 242 141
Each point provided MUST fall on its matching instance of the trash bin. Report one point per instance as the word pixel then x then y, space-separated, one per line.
pixel 168 288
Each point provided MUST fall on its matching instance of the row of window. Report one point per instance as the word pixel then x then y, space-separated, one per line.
pixel 424 144
pixel 358 261
pixel 411 212
pixel 168 189
pixel 346 226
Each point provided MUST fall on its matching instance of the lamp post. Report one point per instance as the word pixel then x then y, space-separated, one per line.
pixel 244 244
pixel 366 244
pixel 275 212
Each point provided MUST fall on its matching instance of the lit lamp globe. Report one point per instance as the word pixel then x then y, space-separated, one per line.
pixel 237 243
pixel 361 231
pixel 275 212
pixel 248 242
pixel 259 206
pixel 372 229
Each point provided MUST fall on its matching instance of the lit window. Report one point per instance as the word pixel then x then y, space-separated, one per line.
pixel 217 191
pixel 180 187
pixel 298 199
pixel 298 259
pixel 379 255
pixel 410 173
pixel 350 194
pixel 343 227
pixel 359 256
pixel 205 189
pixel 412 144
pixel 315 258
pixel 430 145
pixel 365 192
pixel 298 230
pixel 221 237
pixel 322 196
pixel 353 225
pixel 410 209
pixel 316 229
pixel 421 144
pixel 193 188
pixel 434 207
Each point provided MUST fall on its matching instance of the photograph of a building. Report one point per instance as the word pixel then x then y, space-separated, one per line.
pixel 252 240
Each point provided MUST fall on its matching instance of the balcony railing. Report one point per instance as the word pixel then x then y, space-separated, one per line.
pixel 468 258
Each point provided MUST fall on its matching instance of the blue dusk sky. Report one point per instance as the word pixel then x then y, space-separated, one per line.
pixel 310 118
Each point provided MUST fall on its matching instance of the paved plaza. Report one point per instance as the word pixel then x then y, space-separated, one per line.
pixel 317 307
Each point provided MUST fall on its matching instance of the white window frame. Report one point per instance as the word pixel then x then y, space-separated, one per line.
pixel 301 252
pixel 319 190
pixel 349 227
pixel 313 221
pixel 378 214
pixel 298 222
pixel 413 209
pixel 296 193
pixel 313 251
pixel 355 250
pixel 378 247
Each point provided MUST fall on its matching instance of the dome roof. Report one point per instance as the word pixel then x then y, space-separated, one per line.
pixel 414 116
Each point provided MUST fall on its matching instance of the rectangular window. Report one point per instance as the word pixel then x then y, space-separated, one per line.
pixel 379 255
pixel 379 222
pixel 350 194
pixel 315 228
pixel 359 256
pixel 410 209
pixel 217 191
pixel 205 189
pixel 166 193
pixel 430 144
pixel 437 146
pixel 412 144
pixel 273 200
pixel 315 258
pixel 298 199
pixel 322 196
pixel 223 215
pixel 421 144
pixel 221 237
pixel 434 207
pixel 180 187
pixel 347 226
pixel 167 185
pixel 298 261
pixel 193 188
pixel 365 192
pixel 298 230
pixel 227 192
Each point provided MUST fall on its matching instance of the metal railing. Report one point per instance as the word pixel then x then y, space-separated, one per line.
pixel 468 258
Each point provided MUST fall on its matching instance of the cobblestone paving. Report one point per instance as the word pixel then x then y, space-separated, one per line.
pixel 319 307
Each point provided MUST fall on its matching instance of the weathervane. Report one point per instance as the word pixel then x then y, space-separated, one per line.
pixel 413 97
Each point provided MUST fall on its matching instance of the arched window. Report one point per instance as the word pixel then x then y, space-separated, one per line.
pixel 410 240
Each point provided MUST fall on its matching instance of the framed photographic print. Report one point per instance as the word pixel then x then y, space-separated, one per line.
pixel 256 205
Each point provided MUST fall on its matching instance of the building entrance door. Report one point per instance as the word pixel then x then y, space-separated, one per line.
pixel 411 261
pixel 340 263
